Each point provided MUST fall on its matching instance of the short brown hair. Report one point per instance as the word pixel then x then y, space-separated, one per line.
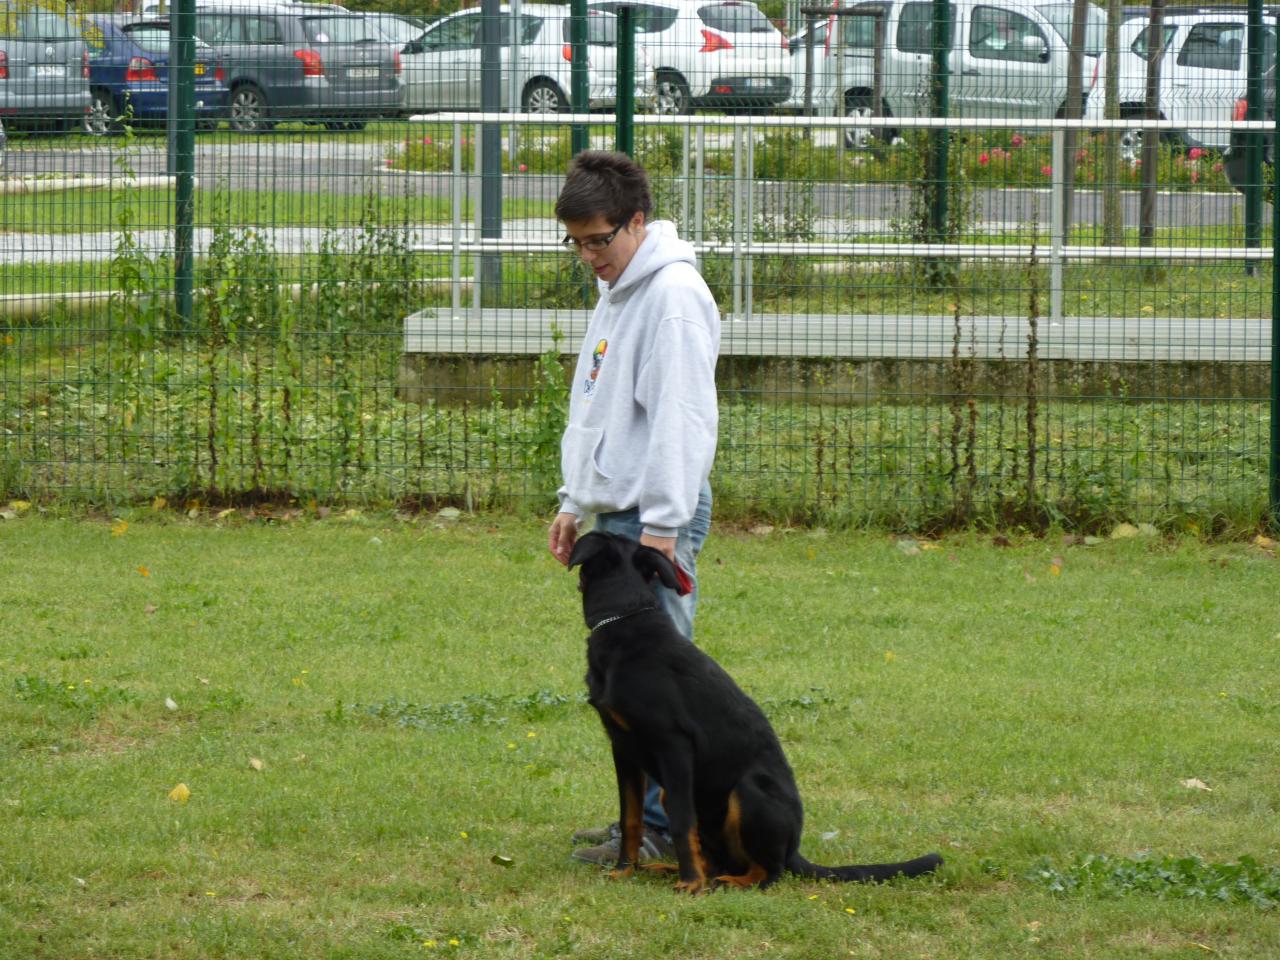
pixel 604 183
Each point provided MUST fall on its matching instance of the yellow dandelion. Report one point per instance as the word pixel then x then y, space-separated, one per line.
pixel 850 910
pixel 454 942
pixel 464 835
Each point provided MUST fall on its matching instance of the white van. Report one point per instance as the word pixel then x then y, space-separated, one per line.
pixel 1008 60
pixel 1203 72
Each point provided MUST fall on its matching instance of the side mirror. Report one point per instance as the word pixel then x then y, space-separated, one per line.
pixel 1036 47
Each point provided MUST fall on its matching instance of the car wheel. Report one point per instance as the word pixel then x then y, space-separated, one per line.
pixel 674 98
pixel 100 119
pixel 543 96
pixel 857 138
pixel 248 110
pixel 1129 142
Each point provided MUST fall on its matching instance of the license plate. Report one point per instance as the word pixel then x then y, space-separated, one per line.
pixel 50 70
pixel 758 83
pixel 200 68
pixel 363 73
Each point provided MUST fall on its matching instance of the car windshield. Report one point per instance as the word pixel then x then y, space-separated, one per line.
pixel 154 37
pixel 1095 28
pixel 341 30
pixel 732 17
pixel 397 30
pixel 35 25
pixel 602 29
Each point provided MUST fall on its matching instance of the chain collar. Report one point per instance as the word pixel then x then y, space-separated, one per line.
pixel 620 616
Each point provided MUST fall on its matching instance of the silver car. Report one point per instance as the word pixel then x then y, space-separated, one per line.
pixel 442 67
pixel 44 67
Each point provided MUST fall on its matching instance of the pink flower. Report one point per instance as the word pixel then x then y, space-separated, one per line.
pixel 983 159
pixel 998 153
pixel 1217 168
pixel 1016 141
pixel 1082 156
pixel 1195 176
pixel 426 141
pixel 524 167
pixel 1047 170
pixel 1195 153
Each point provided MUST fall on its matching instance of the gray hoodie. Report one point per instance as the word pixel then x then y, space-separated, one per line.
pixel 642 404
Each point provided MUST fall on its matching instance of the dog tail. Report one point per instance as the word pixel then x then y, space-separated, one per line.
pixel 866 872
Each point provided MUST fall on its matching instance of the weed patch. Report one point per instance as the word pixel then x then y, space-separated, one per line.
pixel 1246 881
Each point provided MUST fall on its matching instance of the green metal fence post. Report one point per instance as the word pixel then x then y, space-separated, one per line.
pixel 490 264
pixel 182 121
pixel 940 141
pixel 1273 498
pixel 1253 139
pixel 579 82
pixel 625 101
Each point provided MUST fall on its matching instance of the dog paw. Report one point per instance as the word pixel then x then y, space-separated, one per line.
pixel 621 873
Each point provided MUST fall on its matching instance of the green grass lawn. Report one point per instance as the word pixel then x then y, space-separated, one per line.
pixel 367 710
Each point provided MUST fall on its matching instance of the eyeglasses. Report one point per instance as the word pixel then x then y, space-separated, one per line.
pixel 591 244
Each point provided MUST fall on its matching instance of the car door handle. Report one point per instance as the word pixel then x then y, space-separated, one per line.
pixel 970 73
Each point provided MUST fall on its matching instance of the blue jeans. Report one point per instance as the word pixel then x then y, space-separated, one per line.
pixel 689 543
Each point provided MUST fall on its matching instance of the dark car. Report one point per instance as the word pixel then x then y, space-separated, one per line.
pixel 302 61
pixel 1234 159
pixel 129 73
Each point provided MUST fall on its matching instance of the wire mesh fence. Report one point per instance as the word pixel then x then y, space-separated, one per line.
pixel 990 316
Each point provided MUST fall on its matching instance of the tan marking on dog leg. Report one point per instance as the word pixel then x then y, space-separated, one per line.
pixel 755 873
pixel 632 824
pixel 733 828
pixel 697 883
pixel 619 720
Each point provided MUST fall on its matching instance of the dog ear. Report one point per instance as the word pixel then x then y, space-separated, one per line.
pixel 587 547
pixel 651 562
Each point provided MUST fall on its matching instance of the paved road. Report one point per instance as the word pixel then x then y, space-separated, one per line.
pixel 333 163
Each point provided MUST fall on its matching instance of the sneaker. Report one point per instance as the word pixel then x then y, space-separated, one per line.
pixel 655 846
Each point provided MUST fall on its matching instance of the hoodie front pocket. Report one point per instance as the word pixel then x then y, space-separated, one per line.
pixel 580 462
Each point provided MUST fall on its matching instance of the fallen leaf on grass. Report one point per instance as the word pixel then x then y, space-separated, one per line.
pixel 499 860
pixel 180 794
pixel 223 514
pixel 1196 784
pixel 143 571
pixel 257 764
pixel 19 506
pixel 1123 531
pixel 150 608
pixel 170 704
pixel 908 547
pixel 1055 567
pixel 119 528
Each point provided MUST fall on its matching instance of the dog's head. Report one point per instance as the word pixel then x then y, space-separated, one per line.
pixel 617 574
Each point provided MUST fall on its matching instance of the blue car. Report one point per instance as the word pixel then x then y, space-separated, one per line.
pixel 129 74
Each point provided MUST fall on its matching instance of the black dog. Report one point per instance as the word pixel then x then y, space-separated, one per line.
pixel 672 713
